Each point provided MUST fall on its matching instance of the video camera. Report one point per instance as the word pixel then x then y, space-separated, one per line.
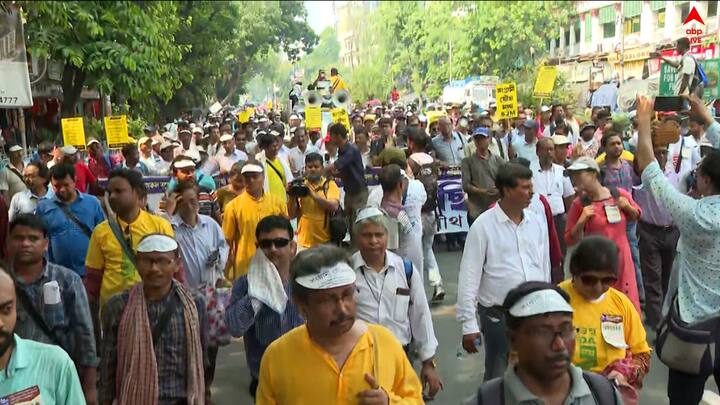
pixel 298 189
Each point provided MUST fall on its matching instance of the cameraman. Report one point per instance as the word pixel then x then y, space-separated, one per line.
pixel 312 200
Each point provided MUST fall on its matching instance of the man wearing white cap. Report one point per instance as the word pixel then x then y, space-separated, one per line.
pixel 387 284
pixel 187 145
pixel 242 215
pixel 213 145
pixel 229 155
pixel 11 178
pixel 154 334
pixel 294 121
pixel 167 150
pixel 541 332
pixel 343 353
pixel 147 158
pixel 506 246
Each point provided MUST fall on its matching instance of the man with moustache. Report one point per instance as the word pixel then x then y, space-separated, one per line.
pixel 541 332
pixel 342 353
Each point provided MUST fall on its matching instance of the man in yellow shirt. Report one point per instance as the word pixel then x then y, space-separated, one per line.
pixel 343 353
pixel 323 198
pixel 336 82
pixel 277 169
pixel 241 217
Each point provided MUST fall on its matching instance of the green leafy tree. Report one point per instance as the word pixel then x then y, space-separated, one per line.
pixel 120 47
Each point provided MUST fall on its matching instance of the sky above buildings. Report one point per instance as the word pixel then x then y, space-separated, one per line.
pixel 320 15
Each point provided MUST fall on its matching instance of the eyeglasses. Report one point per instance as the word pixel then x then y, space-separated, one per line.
pixel 547 335
pixel 592 280
pixel 278 242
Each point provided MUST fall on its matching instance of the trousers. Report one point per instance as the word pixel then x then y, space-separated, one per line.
pixel 429 228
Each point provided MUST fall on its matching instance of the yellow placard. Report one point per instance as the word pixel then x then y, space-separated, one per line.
pixel 73 132
pixel 251 111
pixel 116 130
pixel 545 82
pixel 244 116
pixel 340 115
pixel 269 105
pixel 433 116
pixel 507 104
pixel 313 118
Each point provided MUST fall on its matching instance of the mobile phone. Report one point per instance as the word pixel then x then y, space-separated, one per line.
pixel 669 103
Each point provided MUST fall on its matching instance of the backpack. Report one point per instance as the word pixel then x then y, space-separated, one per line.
pixel 428 175
pixel 602 390
pixel 336 220
pixel 699 78
pixel 408 270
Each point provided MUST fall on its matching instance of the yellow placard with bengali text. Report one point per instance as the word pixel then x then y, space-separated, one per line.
pixel 313 118
pixel 545 82
pixel 341 115
pixel 506 98
pixel 73 132
pixel 116 130
pixel 244 116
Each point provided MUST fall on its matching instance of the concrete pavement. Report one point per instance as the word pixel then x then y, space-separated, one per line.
pixel 461 375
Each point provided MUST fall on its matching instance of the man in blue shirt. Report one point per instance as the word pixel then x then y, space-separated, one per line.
pixel 32 371
pixel 349 166
pixel 258 311
pixel 71 217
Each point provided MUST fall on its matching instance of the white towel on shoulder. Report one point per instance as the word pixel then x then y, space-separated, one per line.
pixel 265 285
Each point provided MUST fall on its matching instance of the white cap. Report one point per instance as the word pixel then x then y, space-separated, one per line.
pixel 184 164
pixel 368 212
pixel 168 135
pixel 338 275
pixel 15 148
pixel 263 119
pixel 293 117
pixel 226 137
pixel 166 144
pixel 69 150
pixel 584 163
pixel 544 108
pixel 157 243
pixel 197 130
pixel 540 302
pixel 92 141
pixel 560 140
pixel 183 131
pixel 251 168
pixel 142 140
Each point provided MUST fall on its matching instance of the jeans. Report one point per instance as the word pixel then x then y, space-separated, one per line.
pixel 492 324
pixel 687 389
pixel 631 231
pixel 429 228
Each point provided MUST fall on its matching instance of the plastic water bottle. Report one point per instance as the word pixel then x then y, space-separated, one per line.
pixel 461 353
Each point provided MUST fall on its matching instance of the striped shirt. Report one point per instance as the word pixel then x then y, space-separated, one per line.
pixel 261 328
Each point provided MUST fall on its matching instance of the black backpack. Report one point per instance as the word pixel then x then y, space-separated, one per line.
pixel 336 220
pixel 428 175
pixel 603 392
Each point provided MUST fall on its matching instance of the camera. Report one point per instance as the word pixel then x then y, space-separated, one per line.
pixel 298 189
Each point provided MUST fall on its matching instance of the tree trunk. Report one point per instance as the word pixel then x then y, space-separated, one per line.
pixel 72 83
pixel 234 86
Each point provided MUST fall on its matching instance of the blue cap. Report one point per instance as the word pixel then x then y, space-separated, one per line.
pixel 481 131
pixel 529 123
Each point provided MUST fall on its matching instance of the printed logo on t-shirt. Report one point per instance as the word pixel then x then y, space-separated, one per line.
pixel 587 347
pixel 28 396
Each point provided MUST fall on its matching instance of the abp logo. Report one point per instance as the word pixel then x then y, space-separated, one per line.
pixel 694 32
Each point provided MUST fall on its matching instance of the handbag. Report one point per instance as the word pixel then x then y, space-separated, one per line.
pixel 685 347
pixel 336 220
pixel 217 299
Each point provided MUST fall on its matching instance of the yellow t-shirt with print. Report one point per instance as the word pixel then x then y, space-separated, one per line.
pixel 616 311
pixel 313 225
pixel 105 253
pixel 276 182
pixel 240 219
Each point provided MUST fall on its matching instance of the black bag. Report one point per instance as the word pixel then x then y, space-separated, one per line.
pixel 684 347
pixel 335 220
pixel 428 175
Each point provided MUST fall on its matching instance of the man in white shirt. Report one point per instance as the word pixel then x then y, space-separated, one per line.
pixel 507 245
pixel 391 293
pixel 683 157
pixel 146 155
pixel 229 155
pixel 685 68
pixel 187 146
pixel 524 147
pixel 37 178
pixel 298 153
pixel 549 181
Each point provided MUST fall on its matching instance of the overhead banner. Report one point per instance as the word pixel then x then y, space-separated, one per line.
pixel 545 82
pixel 116 130
pixel 73 131
pixel 15 83
pixel 507 104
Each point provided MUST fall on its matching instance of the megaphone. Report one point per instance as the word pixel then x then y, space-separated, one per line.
pixel 313 99
pixel 341 99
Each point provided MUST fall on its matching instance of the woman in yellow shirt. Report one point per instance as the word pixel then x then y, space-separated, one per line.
pixel 313 209
pixel 610 337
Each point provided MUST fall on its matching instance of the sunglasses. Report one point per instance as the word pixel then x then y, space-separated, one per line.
pixel 278 242
pixel 592 280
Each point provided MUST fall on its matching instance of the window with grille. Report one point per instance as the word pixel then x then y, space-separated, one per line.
pixel 632 25
pixel 609 30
